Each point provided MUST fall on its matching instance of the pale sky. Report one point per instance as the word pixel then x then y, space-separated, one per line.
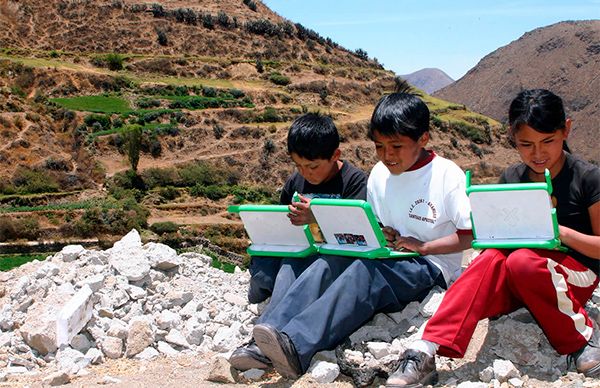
pixel 408 35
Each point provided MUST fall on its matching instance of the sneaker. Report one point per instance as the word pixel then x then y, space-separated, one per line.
pixel 587 359
pixel 278 348
pixel 249 356
pixel 416 370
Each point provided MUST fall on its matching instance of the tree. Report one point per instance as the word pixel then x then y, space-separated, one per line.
pixel 133 141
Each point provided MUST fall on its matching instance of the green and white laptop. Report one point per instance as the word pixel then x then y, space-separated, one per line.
pixel 350 228
pixel 272 233
pixel 513 215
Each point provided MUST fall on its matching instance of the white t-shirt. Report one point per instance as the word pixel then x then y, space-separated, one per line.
pixel 427 203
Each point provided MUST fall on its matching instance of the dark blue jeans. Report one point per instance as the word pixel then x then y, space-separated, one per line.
pixel 335 295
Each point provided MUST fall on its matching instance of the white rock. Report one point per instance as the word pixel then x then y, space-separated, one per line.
pixel 227 338
pixel 147 354
pixel 71 361
pixel 74 315
pixel 516 382
pixel 193 331
pixel 131 264
pixel 504 370
pixel 81 343
pixel 95 356
pixel 167 320
pixel 235 299
pixel 95 282
pixel 378 349
pixel 135 292
pixel 5 338
pixel 112 347
pixel 324 372
pixel 110 380
pixel 56 378
pixel 131 240
pixel 487 374
pixel 176 338
pixel 253 374
pixel 49 269
pixel 189 309
pixel 117 329
pixel 354 356
pixel 431 303
pixel 161 256
pixel 166 349
pixel 71 252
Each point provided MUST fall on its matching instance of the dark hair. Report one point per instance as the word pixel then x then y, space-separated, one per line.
pixel 313 136
pixel 539 109
pixel 400 114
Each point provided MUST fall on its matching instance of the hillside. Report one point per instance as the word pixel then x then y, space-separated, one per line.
pixel 430 80
pixel 563 57
pixel 213 85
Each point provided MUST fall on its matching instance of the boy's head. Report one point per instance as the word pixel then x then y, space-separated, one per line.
pixel 400 114
pixel 400 130
pixel 313 144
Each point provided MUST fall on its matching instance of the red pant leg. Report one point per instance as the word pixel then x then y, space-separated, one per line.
pixel 480 292
pixel 554 287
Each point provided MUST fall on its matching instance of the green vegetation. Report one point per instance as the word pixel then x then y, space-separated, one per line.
pixel 99 104
pixel 279 79
pixel 8 262
pixel 164 227
pixel 60 206
pixel 133 141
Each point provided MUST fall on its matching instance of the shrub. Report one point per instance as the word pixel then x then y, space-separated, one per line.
pixel 114 61
pixel 223 19
pixel 472 133
pixel 169 193
pixel 33 181
pixel 212 192
pixel 259 66
pixel 103 121
pixel 270 115
pixel 279 79
pixel 164 227
pixel 362 54
pixel 207 91
pixel 236 93
pixel 161 36
pixel 218 131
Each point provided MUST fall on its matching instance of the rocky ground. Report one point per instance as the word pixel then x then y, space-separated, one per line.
pixel 140 315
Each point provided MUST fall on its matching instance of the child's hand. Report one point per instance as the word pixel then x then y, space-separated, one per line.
pixel 390 235
pixel 300 213
pixel 408 243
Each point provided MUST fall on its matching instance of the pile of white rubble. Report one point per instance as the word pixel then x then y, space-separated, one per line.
pixel 142 301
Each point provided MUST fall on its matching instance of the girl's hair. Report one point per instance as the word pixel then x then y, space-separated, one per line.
pixel 540 109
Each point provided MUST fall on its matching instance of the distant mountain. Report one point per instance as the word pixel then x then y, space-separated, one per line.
pixel 429 80
pixel 563 57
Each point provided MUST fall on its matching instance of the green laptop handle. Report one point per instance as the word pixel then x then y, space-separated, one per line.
pixel 547 185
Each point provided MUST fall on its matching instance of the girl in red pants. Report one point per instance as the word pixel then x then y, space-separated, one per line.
pixel 554 286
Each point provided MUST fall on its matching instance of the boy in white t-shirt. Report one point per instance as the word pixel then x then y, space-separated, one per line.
pixel 420 200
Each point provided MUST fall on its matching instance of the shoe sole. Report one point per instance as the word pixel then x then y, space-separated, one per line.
pixel 244 362
pixel 593 372
pixel 269 345
pixel 430 379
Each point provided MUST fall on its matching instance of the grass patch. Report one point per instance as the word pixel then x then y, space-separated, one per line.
pixel 8 262
pixel 97 104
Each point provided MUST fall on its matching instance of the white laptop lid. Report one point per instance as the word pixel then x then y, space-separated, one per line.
pixel 512 214
pixel 273 229
pixel 345 226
